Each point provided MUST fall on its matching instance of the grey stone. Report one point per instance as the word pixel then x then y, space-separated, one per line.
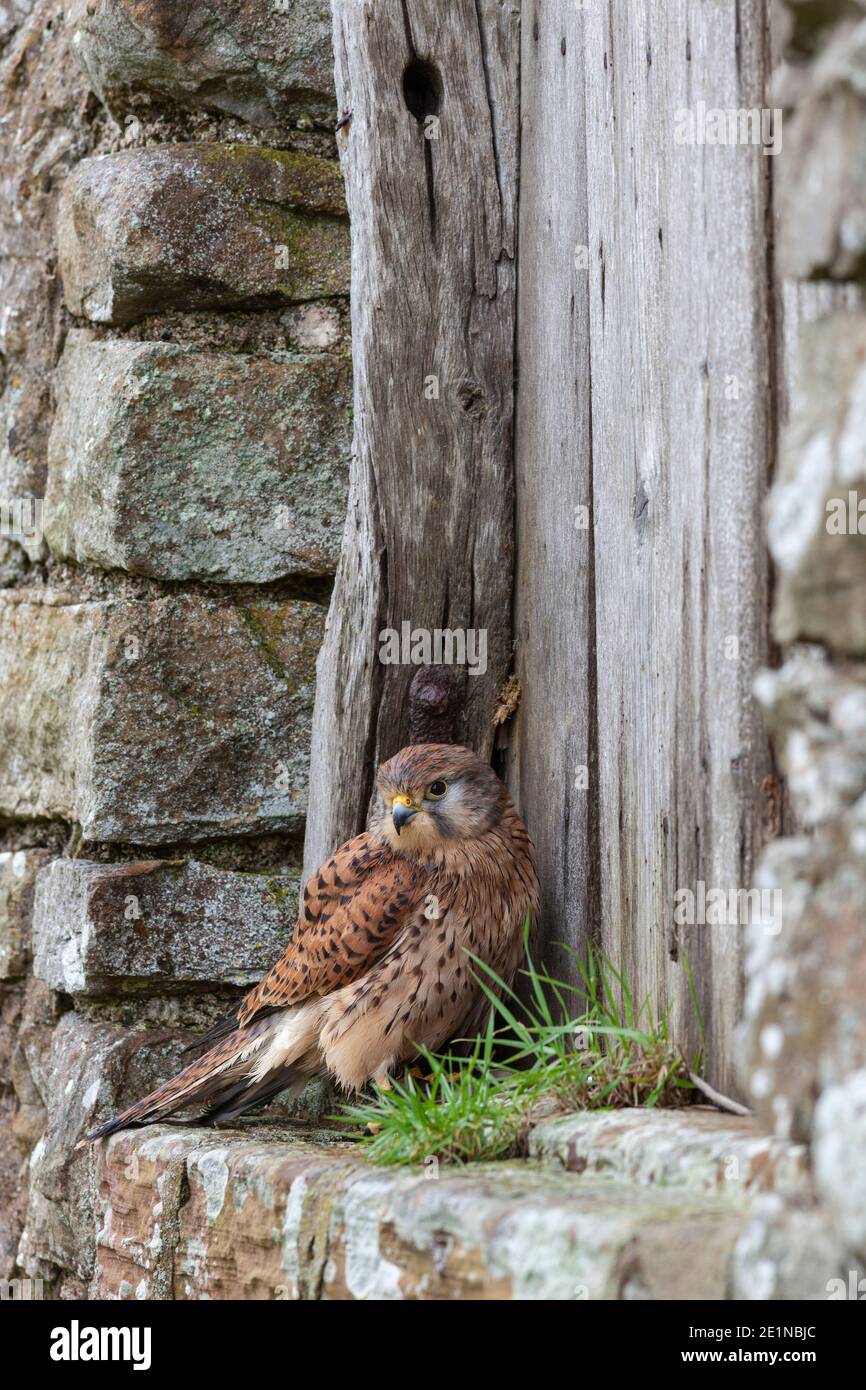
pixel 788 1251
pixel 810 21
pixel 263 61
pixel 149 722
pixel 18 870
pixel 151 926
pixel 26 1066
pixel 90 1072
pixel 13 1175
pixel 804 1023
pixel 200 226
pixel 839 1148
pixel 13 14
pixel 695 1148
pixel 314 327
pixel 180 464
pixel 817 506
pixel 44 130
pixel 817 715
pixel 822 186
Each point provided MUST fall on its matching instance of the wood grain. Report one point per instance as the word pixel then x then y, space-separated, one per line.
pixel 658 408
pixel 429 535
pixel 552 765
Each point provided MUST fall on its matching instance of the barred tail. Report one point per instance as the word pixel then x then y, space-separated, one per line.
pixel 222 1069
pixel 249 1066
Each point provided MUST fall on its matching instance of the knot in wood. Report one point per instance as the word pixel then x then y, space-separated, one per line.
pixel 434 706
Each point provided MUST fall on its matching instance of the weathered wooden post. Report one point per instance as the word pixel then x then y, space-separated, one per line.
pixel 428 138
pixel 645 423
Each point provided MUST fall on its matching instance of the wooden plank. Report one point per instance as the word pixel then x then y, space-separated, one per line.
pixel 682 366
pixel 677 345
pixel 429 536
pixel 552 770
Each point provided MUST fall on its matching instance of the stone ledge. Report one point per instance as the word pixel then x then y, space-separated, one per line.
pixel 80 1070
pixel 276 1212
pixel 698 1148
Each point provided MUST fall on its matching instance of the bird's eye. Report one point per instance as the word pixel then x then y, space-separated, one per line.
pixel 437 789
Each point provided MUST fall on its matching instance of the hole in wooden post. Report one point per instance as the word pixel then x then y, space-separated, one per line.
pixel 422 89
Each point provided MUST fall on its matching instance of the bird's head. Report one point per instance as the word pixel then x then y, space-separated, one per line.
pixel 433 793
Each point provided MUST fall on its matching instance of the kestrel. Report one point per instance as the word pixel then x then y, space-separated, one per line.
pixel 379 964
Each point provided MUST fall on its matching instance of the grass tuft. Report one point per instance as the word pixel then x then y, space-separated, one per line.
pixel 534 1059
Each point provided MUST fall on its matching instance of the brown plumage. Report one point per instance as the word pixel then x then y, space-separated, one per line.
pixel 379 963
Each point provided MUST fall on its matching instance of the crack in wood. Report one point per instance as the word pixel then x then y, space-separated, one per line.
pixel 482 41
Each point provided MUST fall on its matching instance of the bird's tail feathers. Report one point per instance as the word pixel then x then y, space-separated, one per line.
pixel 218 1080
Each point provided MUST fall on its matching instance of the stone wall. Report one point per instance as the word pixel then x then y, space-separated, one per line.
pixel 175 427
pixel 803 1040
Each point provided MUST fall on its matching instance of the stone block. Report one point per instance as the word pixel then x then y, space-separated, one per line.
pixel 817 506
pixel 90 1072
pixel 45 129
pixel 18 872
pixel 822 183
pixel 177 719
pixel 200 227
pixel 695 1148
pixel 29 1064
pixel 816 713
pixel 186 1188
pixel 788 1252
pixel 179 464
pixel 155 926
pixel 806 23
pixel 804 1024
pixel 840 1172
pixel 13 1179
pixel 265 62
pixel 12 1157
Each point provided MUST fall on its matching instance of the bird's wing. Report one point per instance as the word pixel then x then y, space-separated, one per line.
pixel 352 910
